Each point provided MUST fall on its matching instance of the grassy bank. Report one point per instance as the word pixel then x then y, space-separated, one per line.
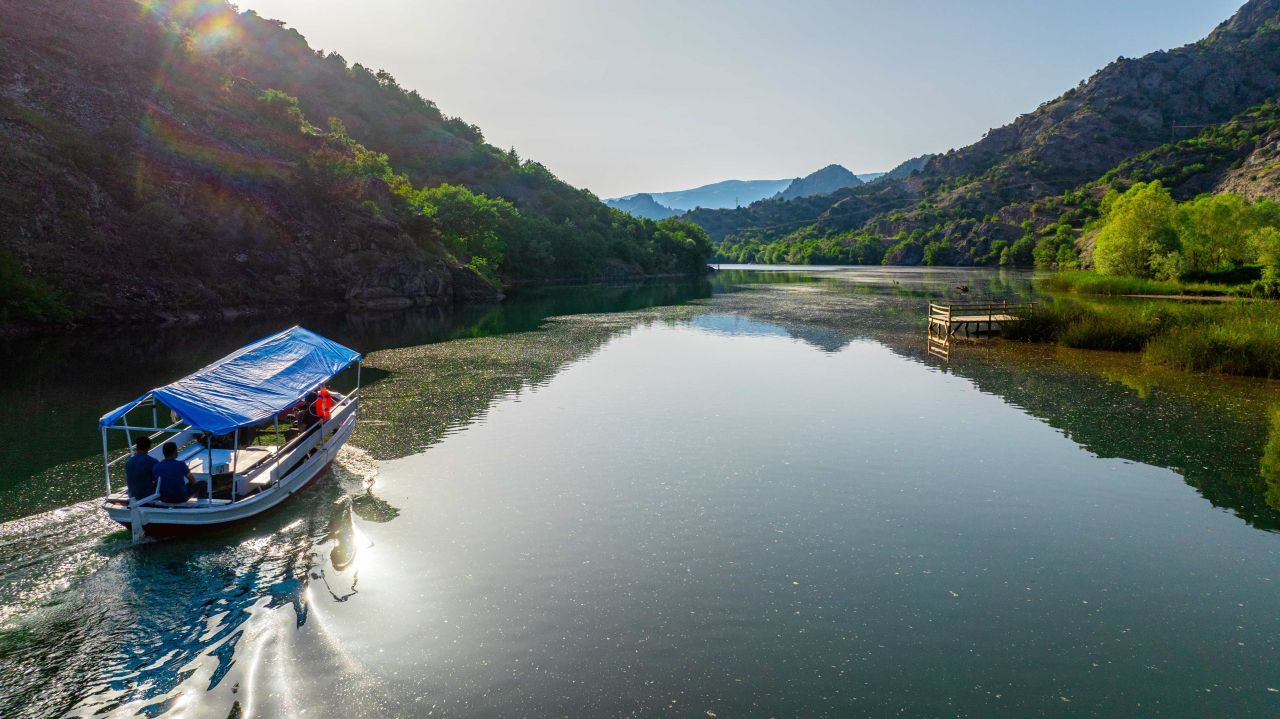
pixel 1092 283
pixel 1239 338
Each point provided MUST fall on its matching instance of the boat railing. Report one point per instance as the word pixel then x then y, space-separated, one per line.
pixel 286 456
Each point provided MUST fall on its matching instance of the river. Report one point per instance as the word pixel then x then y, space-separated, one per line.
pixel 752 495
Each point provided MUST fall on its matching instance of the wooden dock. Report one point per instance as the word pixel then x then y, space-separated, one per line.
pixel 948 320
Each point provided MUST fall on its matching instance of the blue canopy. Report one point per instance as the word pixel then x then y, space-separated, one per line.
pixel 252 384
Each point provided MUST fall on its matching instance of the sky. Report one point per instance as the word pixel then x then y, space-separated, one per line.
pixel 624 96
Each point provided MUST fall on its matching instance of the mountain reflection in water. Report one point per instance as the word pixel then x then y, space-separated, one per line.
pixel 752 494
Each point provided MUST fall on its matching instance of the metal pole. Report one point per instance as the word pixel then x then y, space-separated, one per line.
pixel 277 469
pixel 235 462
pixel 208 467
pixel 106 462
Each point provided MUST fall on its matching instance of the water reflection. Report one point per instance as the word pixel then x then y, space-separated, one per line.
pixel 686 501
pixel 1210 432
pixel 1269 468
pixel 53 388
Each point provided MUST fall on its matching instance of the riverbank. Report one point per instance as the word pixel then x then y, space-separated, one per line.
pixel 1238 284
pixel 462 291
pixel 1236 337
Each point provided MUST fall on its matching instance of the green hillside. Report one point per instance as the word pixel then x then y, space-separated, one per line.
pixel 179 158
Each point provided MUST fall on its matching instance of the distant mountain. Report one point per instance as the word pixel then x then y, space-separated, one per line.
pixel 642 205
pixel 871 176
pixel 823 182
pixel 1049 168
pixel 721 195
pixel 729 194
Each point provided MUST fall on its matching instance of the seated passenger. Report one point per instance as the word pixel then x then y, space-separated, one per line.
pixel 138 470
pixel 174 478
pixel 307 415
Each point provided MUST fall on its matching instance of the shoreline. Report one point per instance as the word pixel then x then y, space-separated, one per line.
pixel 231 314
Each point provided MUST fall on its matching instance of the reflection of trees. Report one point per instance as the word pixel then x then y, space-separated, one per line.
pixel 1211 433
pixel 433 388
pixel 1197 435
pixel 1270 465
pixel 53 388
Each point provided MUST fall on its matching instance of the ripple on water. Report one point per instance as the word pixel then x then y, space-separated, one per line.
pixel 91 625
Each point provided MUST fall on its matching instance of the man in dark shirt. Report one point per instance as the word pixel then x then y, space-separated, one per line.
pixel 173 477
pixel 138 470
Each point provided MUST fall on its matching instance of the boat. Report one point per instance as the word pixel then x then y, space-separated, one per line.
pixel 218 417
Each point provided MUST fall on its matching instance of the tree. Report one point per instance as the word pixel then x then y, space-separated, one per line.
pixel 468 223
pixel 1266 243
pixel 1137 230
pixel 1019 254
pixel 937 252
pixel 1214 231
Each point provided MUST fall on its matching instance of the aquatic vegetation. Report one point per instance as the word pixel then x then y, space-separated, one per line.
pixel 1238 338
pixel 1092 283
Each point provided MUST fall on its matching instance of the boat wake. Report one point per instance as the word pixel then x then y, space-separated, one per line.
pixel 91 624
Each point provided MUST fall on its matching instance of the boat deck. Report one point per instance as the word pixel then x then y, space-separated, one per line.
pixel 248 462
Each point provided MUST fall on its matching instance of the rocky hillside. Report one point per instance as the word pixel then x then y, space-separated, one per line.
pixel 984 193
pixel 174 157
pixel 823 182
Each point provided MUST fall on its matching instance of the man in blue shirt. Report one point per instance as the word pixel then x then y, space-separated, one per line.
pixel 138 470
pixel 174 478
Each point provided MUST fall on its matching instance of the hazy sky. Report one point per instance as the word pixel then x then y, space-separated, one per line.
pixel 629 96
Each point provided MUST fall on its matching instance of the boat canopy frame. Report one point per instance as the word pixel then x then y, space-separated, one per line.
pixel 247 388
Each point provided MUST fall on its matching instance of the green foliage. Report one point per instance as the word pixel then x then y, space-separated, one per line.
pixel 469 224
pixel 284 110
pixel 938 252
pixel 1214 232
pixel 1266 242
pixel 903 248
pixel 1241 338
pixel 994 253
pixel 1019 254
pixel 1116 332
pixel 857 250
pixel 1145 233
pixel 1056 251
pixel 1092 283
pixel 1138 229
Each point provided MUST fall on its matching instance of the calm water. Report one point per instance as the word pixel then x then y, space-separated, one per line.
pixel 752 496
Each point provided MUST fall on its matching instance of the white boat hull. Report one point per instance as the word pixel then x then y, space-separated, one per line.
pixel 170 521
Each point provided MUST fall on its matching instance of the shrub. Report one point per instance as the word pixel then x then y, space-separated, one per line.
pixel 1240 340
pixel 1044 323
pixel 1092 283
pixel 1117 333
